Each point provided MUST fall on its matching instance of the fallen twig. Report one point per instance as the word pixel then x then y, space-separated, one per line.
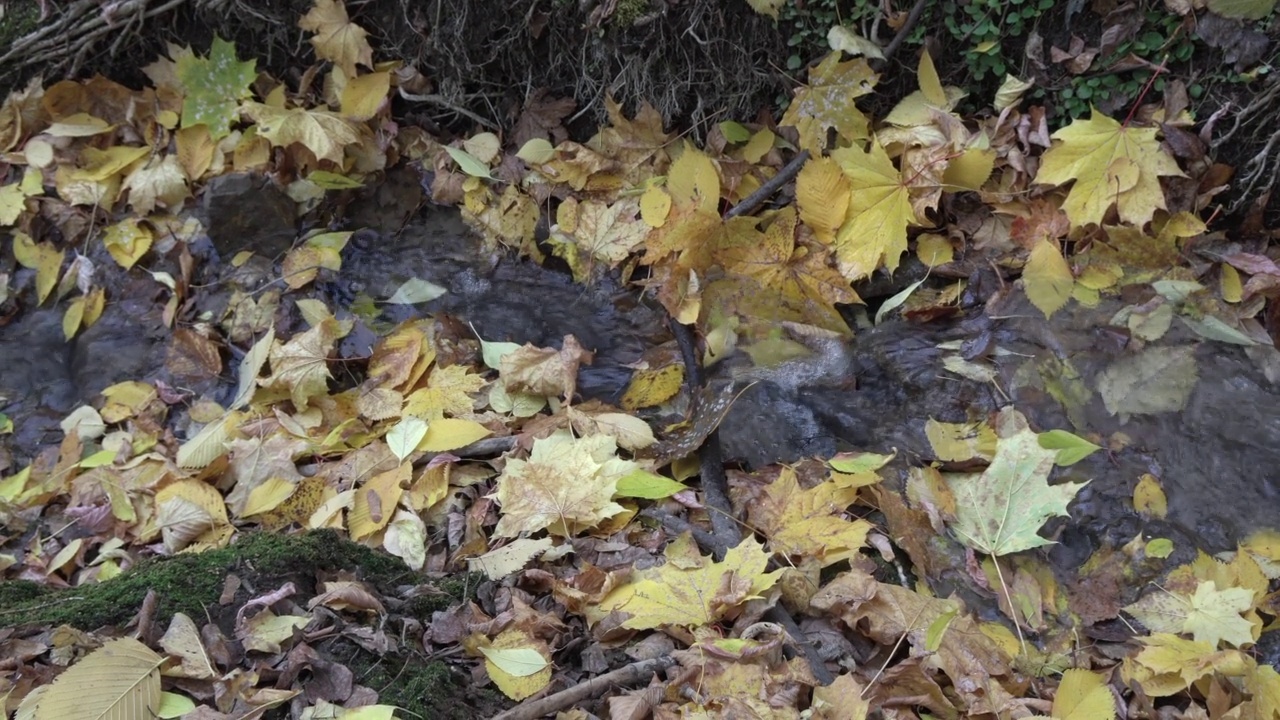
pixel 754 200
pixel 913 17
pixel 632 674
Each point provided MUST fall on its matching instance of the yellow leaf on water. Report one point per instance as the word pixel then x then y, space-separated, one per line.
pixel 127 241
pixel 73 317
pixel 1149 498
pixel 1047 278
pixel 43 258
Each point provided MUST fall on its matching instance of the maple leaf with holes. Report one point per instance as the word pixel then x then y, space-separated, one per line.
pixel 827 102
pixel 1108 164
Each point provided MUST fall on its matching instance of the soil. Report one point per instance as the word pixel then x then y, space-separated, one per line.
pixel 697 61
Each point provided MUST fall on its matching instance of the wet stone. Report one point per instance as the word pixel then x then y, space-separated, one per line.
pixel 246 211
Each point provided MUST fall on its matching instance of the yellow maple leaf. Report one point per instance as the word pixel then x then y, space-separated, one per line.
pixel 337 38
pixel 324 133
pixel 448 390
pixel 827 102
pixel 795 281
pixel 1110 164
pixel 606 233
pixel 808 523
pixel 690 590
pixel 875 230
pixel 566 486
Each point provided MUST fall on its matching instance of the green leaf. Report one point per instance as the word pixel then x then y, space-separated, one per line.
pixel 1242 9
pixel 999 511
pixel 642 484
pixel 333 181
pixel 493 352
pixel 734 132
pixel 469 163
pixel 1071 448
pixel 518 662
pixel 214 87
pixel 403 439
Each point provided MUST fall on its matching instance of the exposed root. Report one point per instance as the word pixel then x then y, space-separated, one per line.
pixel 1260 173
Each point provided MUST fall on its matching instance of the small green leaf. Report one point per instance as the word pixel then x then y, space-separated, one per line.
pixel 333 181
pixel 1071 448
pixel 173 705
pixel 642 484
pixel 403 439
pixel 469 163
pixel 1159 548
pixel 734 132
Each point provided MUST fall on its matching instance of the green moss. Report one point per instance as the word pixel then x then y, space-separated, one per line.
pixel 450 591
pixel 423 689
pixel 628 11
pixel 191 583
pixel 17 20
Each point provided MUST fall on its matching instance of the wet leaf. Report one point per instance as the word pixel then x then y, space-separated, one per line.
pixel 414 291
pixel 1159 379
pixel 1071 448
pixel 1047 278
pixel 999 511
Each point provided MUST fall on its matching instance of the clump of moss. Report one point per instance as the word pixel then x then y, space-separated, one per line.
pixel 423 689
pixel 190 583
pixel 17 20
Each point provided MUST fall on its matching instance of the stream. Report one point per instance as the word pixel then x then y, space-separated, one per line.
pixel 1218 460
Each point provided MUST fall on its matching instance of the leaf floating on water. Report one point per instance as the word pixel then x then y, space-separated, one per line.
pixel 1071 448
pixel 1159 379
pixel 414 291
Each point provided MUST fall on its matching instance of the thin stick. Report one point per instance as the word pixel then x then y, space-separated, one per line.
pixel 632 674
pixel 754 200
pixel 912 18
